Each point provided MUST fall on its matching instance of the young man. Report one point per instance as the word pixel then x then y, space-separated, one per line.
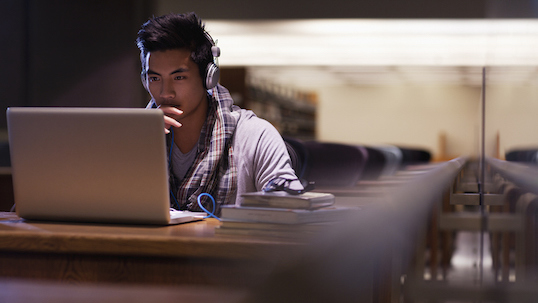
pixel 215 147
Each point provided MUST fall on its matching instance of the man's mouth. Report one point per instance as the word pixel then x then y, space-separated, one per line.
pixel 170 105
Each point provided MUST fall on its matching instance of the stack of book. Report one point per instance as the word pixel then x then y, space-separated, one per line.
pixel 282 215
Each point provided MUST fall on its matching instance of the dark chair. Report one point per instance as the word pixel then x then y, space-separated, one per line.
pixel 374 165
pixel 298 155
pixel 393 159
pixel 333 164
pixel 414 156
pixel 529 155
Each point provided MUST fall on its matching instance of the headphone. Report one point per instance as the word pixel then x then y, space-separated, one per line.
pixel 212 71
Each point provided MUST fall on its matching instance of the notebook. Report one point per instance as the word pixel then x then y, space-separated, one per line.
pixel 91 165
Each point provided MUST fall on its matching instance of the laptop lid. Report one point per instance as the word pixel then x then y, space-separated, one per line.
pixel 89 164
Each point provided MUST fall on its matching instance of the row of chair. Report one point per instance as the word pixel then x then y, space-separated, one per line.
pixel 344 165
pixel 528 155
pixel 515 250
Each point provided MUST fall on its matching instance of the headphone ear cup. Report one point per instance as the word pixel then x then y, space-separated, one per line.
pixel 212 75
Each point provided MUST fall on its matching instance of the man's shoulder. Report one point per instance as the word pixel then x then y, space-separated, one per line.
pixel 254 135
pixel 250 121
pixel 252 131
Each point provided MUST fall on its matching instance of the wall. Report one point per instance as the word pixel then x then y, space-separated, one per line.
pixel 408 115
pixel 511 113
pixel 12 42
pixel 70 53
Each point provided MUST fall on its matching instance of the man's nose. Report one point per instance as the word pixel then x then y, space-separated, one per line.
pixel 167 90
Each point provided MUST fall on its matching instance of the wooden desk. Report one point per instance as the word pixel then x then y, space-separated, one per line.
pixel 182 254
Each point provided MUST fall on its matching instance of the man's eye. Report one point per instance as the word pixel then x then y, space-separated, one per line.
pixel 179 77
pixel 153 79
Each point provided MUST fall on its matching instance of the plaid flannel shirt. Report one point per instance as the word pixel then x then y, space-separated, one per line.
pixel 213 170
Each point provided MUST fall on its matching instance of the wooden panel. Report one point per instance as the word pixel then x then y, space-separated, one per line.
pixel 39 291
pixel 80 268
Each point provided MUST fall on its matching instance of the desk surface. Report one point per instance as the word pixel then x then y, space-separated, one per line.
pixel 183 240
pixel 188 253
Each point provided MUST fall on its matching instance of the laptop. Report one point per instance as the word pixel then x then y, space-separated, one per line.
pixel 103 165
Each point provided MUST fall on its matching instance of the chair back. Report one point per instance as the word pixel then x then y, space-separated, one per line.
pixel 333 164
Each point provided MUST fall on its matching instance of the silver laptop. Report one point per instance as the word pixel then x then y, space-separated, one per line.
pixel 91 165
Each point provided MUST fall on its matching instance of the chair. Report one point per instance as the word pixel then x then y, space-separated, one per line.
pixel 393 157
pixel 525 246
pixel 333 164
pixel 529 155
pixel 298 155
pixel 414 156
pixel 375 164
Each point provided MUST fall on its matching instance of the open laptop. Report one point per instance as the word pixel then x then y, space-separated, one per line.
pixel 91 165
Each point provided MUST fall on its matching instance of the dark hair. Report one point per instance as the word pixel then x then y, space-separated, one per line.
pixel 176 31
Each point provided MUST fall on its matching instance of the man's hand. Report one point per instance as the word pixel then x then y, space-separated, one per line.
pixel 171 114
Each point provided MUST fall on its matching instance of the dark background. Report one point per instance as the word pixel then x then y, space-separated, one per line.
pixel 82 53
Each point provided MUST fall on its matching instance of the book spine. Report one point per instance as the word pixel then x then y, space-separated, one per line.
pixel 277 204
pixel 261 215
pixel 264 233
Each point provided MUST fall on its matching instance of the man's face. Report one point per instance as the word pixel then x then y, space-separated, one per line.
pixel 173 79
